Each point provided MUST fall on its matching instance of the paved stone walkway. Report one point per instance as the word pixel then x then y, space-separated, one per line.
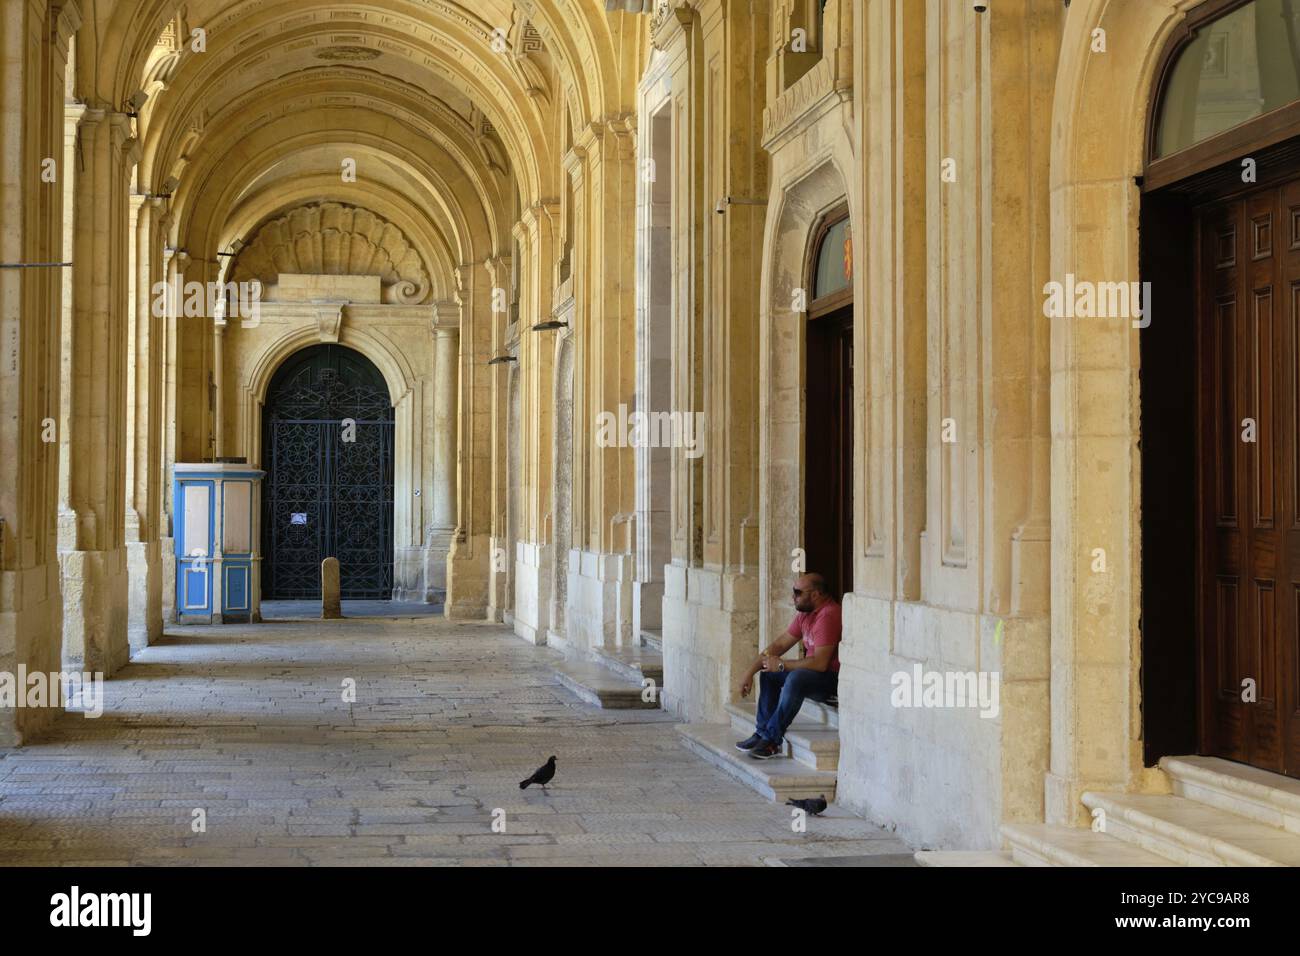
pixel 248 724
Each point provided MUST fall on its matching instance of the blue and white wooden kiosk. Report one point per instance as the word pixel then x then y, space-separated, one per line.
pixel 218 510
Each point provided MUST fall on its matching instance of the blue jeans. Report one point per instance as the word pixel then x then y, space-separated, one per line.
pixel 781 695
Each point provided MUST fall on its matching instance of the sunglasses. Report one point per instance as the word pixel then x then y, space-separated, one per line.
pixel 799 591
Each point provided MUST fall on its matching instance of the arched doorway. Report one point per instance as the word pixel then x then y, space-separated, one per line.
pixel 1220 375
pixel 828 415
pixel 327 448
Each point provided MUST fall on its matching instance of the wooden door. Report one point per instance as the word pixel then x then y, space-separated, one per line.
pixel 1248 551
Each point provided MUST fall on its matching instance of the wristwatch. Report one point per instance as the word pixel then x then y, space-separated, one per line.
pixel 780 667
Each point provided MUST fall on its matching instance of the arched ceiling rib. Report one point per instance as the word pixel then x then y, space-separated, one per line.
pixel 453 105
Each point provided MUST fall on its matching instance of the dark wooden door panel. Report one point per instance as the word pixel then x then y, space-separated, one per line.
pixel 1248 290
pixel 828 449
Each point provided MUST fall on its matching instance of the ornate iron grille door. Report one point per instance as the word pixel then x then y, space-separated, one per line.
pixel 329 487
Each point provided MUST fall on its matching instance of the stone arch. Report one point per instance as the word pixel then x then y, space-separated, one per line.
pixel 392 364
pixel 1098 135
pixel 801 201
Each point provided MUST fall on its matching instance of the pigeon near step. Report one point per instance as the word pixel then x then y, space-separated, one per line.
pixel 812 806
pixel 543 774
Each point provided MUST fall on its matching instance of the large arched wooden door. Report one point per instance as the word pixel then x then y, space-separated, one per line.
pixel 327 448
pixel 1220 379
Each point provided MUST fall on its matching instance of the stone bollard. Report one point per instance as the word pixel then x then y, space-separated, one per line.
pixel 330 607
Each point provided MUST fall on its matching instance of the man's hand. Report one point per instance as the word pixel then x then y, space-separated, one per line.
pixel 746 685
pixel 770 663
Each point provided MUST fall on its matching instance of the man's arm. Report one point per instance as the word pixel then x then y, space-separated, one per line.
pixel 819 661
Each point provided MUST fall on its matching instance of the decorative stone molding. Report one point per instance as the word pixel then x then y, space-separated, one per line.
pixel 668 21
pixel 329 320
pixel 446 318
pixel 813 90
pixel 334 239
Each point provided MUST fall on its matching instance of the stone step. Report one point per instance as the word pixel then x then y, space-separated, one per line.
pixel 600 687
pixel 806 740
pixel 652 638
pixel 777 779
pixel 1041 844
pixel 1189 833
pixel 633 664
pixel 1264 797
pixel 963 858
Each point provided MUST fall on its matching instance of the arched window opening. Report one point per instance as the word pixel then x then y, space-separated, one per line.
pixel 1233 73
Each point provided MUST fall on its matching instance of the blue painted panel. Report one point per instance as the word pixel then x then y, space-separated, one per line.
pixel 234 596
pixel 195 589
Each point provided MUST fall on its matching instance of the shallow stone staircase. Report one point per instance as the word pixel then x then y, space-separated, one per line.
pixel 1219 814
pixel 613 679
pixel 812 746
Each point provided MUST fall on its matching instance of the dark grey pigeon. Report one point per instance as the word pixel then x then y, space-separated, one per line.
pixel 546 771
pixel 813 805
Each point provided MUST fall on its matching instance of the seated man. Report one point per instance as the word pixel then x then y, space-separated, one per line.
pixel 785 684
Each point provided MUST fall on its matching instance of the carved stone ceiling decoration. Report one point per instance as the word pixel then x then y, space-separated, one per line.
pixel 348 53
pixel 337 240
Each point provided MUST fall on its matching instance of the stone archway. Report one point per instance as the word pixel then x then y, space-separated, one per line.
pixel 421 379
pixel 327 451
pixel 1099 124
pixel 801 206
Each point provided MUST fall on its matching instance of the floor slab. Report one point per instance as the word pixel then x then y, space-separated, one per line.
pixel 250 725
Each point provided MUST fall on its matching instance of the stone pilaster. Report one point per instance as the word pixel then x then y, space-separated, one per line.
pixel 442 519
pixel 470 557
pixel 144 431
pixel 534 555
pixel 601 566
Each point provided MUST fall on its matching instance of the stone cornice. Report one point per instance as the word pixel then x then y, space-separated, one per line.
pixel 814 90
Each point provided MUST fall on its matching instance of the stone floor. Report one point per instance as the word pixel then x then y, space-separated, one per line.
pixel 310 610
pixel 247 723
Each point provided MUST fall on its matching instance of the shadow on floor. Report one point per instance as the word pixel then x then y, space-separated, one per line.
pixel 310 610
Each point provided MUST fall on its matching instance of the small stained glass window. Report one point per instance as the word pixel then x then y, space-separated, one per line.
pixel 1238 67
pixel 834 260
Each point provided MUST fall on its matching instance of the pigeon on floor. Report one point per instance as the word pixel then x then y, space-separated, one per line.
pixel 543 774
pixel 813 805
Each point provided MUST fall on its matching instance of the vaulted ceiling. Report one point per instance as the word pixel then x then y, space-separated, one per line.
pixel 451 113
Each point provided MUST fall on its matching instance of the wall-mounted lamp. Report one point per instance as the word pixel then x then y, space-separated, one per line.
pixel 134 102
pixel 502 359
pixel 726 201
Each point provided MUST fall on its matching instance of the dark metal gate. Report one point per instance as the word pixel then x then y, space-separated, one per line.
pixel 327 447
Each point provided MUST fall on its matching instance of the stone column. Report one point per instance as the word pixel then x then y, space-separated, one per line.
pixel 468 561
pixel 92 529
pixel 442 518
pixel 144 612
pixel 504 445
pixel 601 580
pixel 218 385
pixel 173 273
pixel 34 41
pixel 534 567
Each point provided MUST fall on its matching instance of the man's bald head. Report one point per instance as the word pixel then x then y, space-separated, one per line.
pixel 810 592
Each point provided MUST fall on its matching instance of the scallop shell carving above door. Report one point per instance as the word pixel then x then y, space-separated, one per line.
pixel 336 240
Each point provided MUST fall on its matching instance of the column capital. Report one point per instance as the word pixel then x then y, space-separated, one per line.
pixel 498 268
pixel 446 318
pixel 66 22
